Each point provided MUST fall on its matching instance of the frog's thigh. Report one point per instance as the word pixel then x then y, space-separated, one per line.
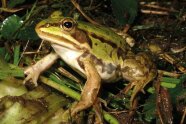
pixel 139 71
pixel 91 88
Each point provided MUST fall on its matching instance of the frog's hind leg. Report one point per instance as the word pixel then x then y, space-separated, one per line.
pixel 139 70
pixel 137 87
pixel 91 88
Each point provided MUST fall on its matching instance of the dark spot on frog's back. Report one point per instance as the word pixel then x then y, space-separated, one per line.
pixel 109 68
pixel 104 40
pixel 82 37
pixel 121 53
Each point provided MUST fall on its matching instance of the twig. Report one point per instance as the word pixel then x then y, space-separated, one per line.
pixel 39 48
pixel 34 52
pixel 178 50
pixel 11 10
pixel 68 74
pixel 159 7
pixel 81 11
pixel 170 74
pixel 24 49
pixel 154 12
pixel 183 116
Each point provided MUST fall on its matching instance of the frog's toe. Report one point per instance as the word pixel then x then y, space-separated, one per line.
pixel 32 76
pixel 81 105
pixel 32 79
pixel 135 91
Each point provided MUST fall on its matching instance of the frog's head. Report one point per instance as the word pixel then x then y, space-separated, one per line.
pixel 63 31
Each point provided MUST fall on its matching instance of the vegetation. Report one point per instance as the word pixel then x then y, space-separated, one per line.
pixel 161 23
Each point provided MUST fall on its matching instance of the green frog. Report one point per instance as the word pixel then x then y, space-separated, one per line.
pixel 95 52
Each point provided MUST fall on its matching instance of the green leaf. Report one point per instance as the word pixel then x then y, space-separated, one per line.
pixel 13 3
pixel 178 92
pixel 149 109
pixel 16 54
pixel 171 80
pixel 4 54
pixel 9 26
pixel 167 82
pixel 125 10
pixel 9 70
pixel 2 51
pixel 22 107
pixel 11 87
pixel 28 33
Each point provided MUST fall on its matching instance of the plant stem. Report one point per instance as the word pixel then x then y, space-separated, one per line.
pixel 75 95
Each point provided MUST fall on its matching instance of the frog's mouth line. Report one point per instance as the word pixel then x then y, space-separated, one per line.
pixel 55 39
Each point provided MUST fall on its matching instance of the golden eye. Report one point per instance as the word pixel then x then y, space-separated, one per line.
pixel 68 24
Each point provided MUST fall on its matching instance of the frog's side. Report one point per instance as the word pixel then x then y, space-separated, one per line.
pixel 97 53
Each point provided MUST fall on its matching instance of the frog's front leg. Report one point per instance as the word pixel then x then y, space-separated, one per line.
pixel 35 70
pixel 91 88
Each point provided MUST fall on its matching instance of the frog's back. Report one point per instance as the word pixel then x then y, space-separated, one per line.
pixel 105 43
pixel 103 33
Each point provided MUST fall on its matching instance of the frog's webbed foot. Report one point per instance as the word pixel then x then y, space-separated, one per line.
pixel 91 88
pixel 137 87
pixel 34 71
pixel 98 110
pixel 32 75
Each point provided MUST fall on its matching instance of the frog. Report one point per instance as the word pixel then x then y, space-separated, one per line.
pixel 95 52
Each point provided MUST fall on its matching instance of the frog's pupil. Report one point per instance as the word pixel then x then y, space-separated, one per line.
pixel 68 24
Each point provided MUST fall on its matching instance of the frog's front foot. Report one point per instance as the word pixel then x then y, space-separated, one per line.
pixel 32 75
pixel 35 70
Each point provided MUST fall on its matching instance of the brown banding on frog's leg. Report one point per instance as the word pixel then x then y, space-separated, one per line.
pixel 91 88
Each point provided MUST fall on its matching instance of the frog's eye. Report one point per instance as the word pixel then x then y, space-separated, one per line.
pixel 68 24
